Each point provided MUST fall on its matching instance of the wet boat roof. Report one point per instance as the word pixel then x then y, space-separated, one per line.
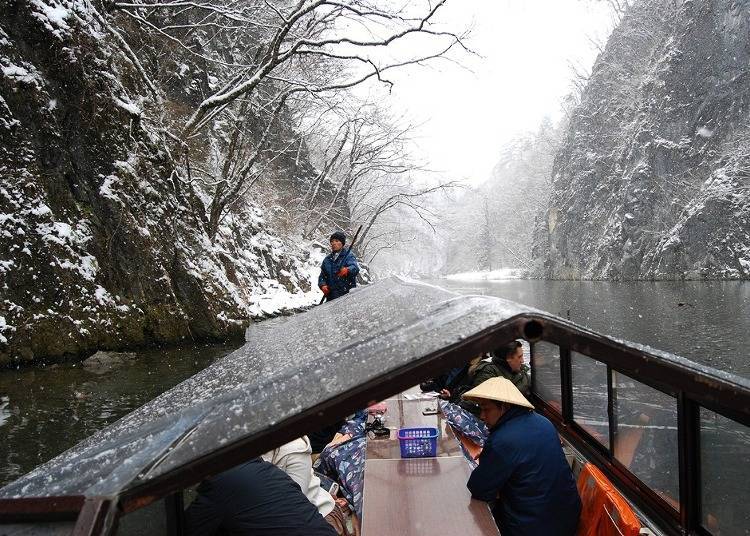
pixel 289 367
pixel 298 373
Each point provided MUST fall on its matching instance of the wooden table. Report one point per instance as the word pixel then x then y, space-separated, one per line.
pixel 415 496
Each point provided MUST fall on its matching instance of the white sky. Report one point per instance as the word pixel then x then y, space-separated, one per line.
pixel 523 75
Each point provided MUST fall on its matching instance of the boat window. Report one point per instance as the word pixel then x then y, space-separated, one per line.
pixel 589 379
pixel 57 528
pixel 545 373
pixel 148 521
pixel 646 435
pixel 724 485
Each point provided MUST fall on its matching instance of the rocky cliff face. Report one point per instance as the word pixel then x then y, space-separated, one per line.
pixel 653 178
pixel 102 245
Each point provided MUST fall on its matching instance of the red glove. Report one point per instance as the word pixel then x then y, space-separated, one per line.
pixel 326 290
pixel 343 272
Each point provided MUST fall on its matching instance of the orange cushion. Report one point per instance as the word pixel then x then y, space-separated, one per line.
pixel 604 511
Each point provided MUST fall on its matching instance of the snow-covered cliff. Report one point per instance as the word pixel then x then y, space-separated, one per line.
pixel 653 178
pixel 102 244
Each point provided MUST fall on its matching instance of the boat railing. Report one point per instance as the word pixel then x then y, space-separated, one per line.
pixel 672 435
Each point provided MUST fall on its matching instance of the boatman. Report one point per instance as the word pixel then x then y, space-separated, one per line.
pixel 522 470
pixel 339 270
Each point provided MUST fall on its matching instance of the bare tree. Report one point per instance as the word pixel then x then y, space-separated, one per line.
pixel 501 213
pixel 617 7
pixel 256 56
pixel 367 172
pixel 277 39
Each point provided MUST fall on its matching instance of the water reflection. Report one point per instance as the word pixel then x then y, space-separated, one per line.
pixel 589 379
pixel 545 378
pixel 44 411
pixel 725 473
pixel 646 435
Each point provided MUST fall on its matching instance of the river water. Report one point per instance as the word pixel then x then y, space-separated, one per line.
pixel 45 410
pixel 711 327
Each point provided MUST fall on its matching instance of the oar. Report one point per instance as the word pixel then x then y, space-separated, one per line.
pixel 351 244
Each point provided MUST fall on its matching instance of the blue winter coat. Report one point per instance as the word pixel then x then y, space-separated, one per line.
pixel 523 464
pixel 328 270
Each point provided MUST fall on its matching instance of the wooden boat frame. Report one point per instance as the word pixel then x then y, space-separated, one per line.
pixel 692 386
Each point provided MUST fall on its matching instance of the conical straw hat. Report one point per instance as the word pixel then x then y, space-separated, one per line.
pixel 500 390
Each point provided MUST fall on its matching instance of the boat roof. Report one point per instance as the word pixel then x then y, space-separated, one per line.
pixel 288 367
pixel 296 374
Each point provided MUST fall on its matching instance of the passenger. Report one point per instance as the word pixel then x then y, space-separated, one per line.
pixel 295 459
pixel 522 468
pixel 461 381
pixel 507 362
pixel 338 272
pixel 439 383
pixel 320 438
pixel 253 499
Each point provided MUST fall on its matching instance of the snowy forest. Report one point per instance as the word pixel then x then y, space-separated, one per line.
pixel 172 170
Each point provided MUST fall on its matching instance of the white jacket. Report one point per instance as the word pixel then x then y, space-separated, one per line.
pixel 295 459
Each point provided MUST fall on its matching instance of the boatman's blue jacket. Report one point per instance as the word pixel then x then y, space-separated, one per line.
pixel 328 270
pixel 523 466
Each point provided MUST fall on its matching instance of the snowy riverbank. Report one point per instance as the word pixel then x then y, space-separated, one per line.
pixel 492 275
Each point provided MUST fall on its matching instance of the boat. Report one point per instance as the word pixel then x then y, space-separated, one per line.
pixel 647 420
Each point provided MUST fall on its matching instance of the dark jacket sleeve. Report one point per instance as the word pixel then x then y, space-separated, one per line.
pixel 323 277
pixel 351 263
pixel 523 382
pixel 491 474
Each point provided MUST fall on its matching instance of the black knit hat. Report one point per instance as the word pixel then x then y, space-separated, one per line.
pixel 338 235
pixel 505 351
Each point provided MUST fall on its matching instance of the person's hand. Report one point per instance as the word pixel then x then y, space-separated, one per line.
pixel 326 291
pixel 339 438
pixel 445 394
pixel 343 272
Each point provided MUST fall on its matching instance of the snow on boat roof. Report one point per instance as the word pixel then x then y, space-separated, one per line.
pixel 289 365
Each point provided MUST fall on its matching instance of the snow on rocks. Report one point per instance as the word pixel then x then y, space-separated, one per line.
pixel 57 16
pixel 3 328
pixel 97 249
pixel 102 362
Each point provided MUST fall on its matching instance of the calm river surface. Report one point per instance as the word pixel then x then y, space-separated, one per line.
pixel 712 326
pixel 44 411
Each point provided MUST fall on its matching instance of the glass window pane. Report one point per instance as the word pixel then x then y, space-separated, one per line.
pixel 646 435
pixel 545 373
pixel 38 528
pixel 725 474
pixel 148 521
pixel 590 396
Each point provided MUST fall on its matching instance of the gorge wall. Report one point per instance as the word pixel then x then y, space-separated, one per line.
pixel 102 244
pixel 653 177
